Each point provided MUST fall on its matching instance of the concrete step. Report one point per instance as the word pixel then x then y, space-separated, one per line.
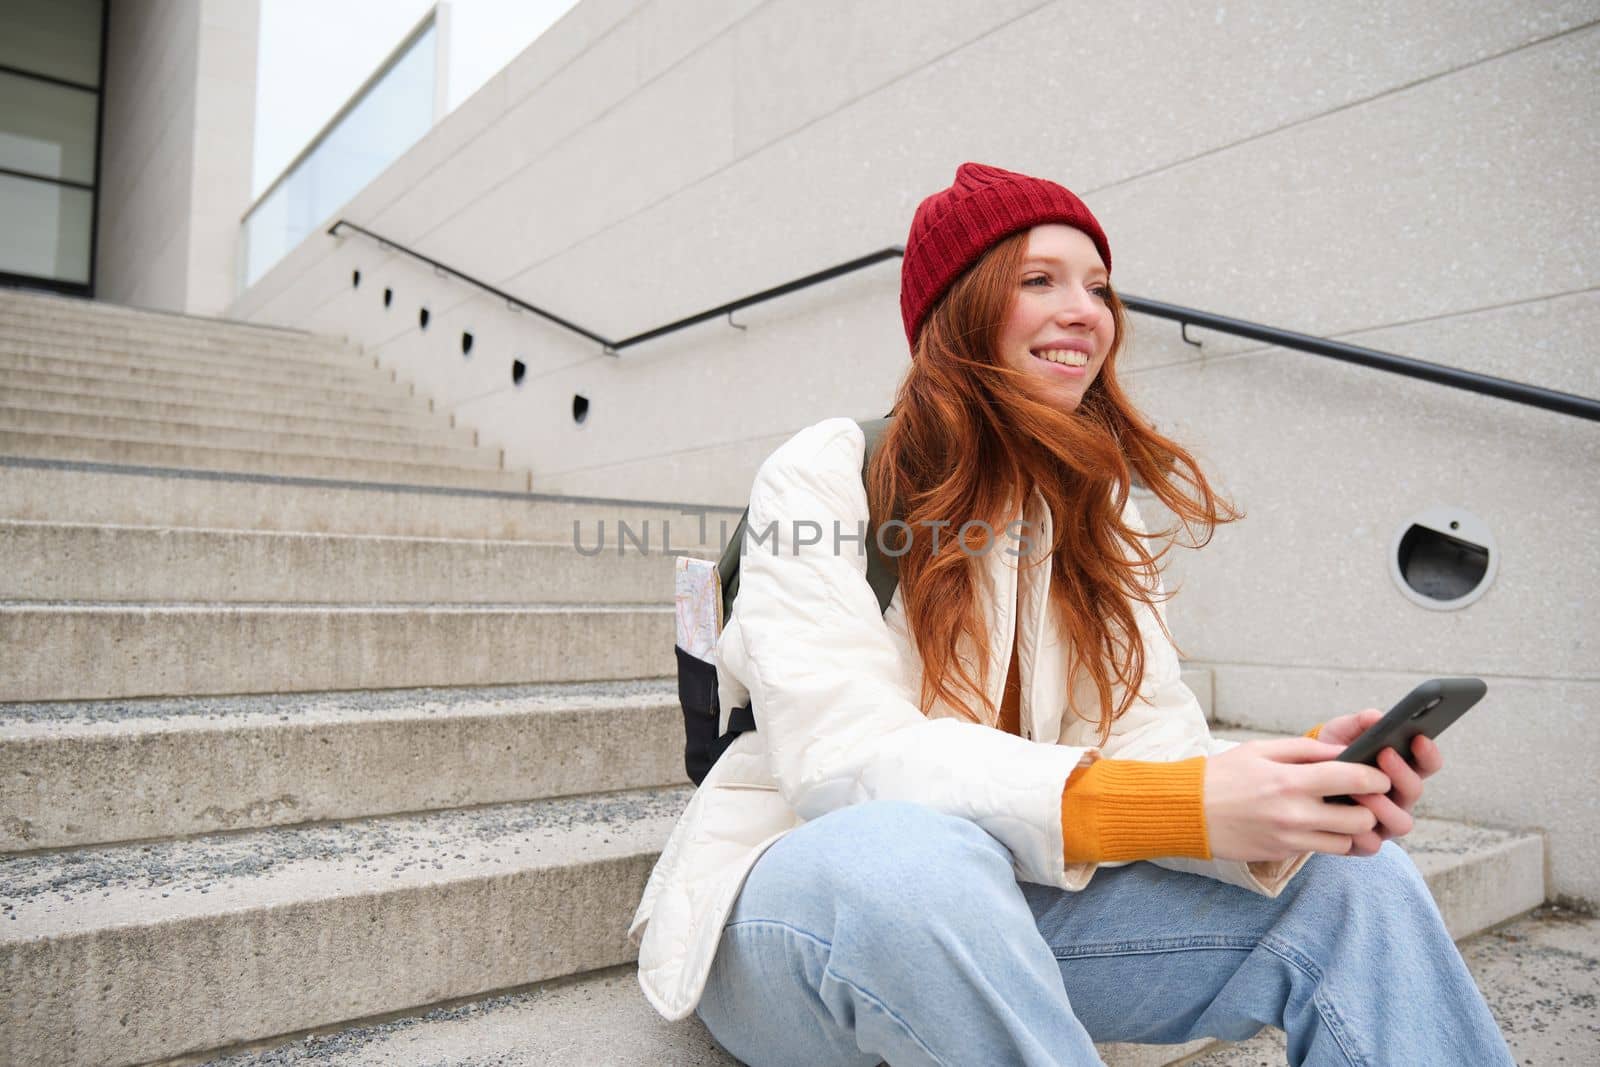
pixel 218 338
pixel 281 442
pixel 136 952
pixel 95 651
pixel 201 456
pixel 411 427
pixel 215 344
pixel 18 307
pixel 82 773
pixel 601 1017
pixel 218 396
pixel 247 366
pixel 224 350
pixel 594 1018
pixel 297 929
pixel 46 490
pixel 80 561
pixel 354 391
pixel 598 1017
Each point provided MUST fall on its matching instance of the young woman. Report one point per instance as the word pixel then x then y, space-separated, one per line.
pixel 925 852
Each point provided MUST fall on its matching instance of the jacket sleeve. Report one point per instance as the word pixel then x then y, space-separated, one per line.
pixel 830 695
pixel 1166 722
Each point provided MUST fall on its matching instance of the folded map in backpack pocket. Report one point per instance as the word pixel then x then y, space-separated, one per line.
pixel 698 597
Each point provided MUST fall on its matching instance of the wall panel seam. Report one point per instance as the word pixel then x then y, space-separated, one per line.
pixel 1348 106
pixel 733 160
pixel 845 105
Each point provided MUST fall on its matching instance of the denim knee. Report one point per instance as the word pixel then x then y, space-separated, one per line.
pixel 1366 891
pixel 897 929
pixel 883 861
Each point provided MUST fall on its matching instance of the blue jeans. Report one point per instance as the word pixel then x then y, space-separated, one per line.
pixel 889 931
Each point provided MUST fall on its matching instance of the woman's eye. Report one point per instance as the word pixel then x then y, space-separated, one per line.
pixel 1039 278
pixel 1102 292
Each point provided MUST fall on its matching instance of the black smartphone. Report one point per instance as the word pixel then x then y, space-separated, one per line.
pixel 1428 709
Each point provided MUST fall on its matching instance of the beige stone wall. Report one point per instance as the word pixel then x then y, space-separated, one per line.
pixel 1412 177
pixel 224 136
pixel 145 143
pixel 177 134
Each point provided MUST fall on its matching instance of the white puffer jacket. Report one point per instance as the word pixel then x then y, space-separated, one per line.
pixel 834 685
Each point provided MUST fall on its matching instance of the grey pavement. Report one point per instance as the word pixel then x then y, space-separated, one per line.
pixel 1541 977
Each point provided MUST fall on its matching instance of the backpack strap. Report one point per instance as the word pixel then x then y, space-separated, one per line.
pixel 882 575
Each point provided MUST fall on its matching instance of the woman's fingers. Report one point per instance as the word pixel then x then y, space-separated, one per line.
pixel 1425 751
pixel 1393 819
pixel 1300 772
pixel 1316 841
pixel 1296 750
pixel 1333 777
pixel 1407 783
pixel 1347 820
pixel 1344 729
pixel 1366 844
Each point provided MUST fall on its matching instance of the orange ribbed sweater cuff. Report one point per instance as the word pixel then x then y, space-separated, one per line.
pixel 1116 810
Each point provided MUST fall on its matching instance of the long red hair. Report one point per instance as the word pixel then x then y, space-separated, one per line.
pixel 967 435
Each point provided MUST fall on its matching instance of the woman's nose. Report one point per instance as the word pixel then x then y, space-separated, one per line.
pixel 1080 308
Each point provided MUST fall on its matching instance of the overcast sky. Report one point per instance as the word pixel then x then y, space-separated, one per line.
pixel 315 53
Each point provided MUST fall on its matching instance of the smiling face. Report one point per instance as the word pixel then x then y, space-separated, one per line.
pixel 1060 329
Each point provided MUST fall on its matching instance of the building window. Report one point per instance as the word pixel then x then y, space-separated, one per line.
pixel 51 69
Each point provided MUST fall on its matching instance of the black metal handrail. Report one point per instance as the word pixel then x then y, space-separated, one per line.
pixel 1533 395
pixel 1488 385
pixel 614 347
pixel 892 252
pixel 511 301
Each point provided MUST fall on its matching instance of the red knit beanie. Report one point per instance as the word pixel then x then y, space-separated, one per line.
pixel 955 226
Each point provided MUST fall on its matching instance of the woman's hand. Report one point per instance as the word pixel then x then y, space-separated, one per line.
pixel 1393 811
pixel 1264 800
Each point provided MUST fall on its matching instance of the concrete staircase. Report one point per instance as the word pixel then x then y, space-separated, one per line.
pixel 101 383
pixel 312 720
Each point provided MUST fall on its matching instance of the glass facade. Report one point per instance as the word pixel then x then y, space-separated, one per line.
pixel 383 120
pixel 50 74
pixel 48 229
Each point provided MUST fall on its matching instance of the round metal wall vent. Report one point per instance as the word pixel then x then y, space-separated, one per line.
pixel 1443 559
